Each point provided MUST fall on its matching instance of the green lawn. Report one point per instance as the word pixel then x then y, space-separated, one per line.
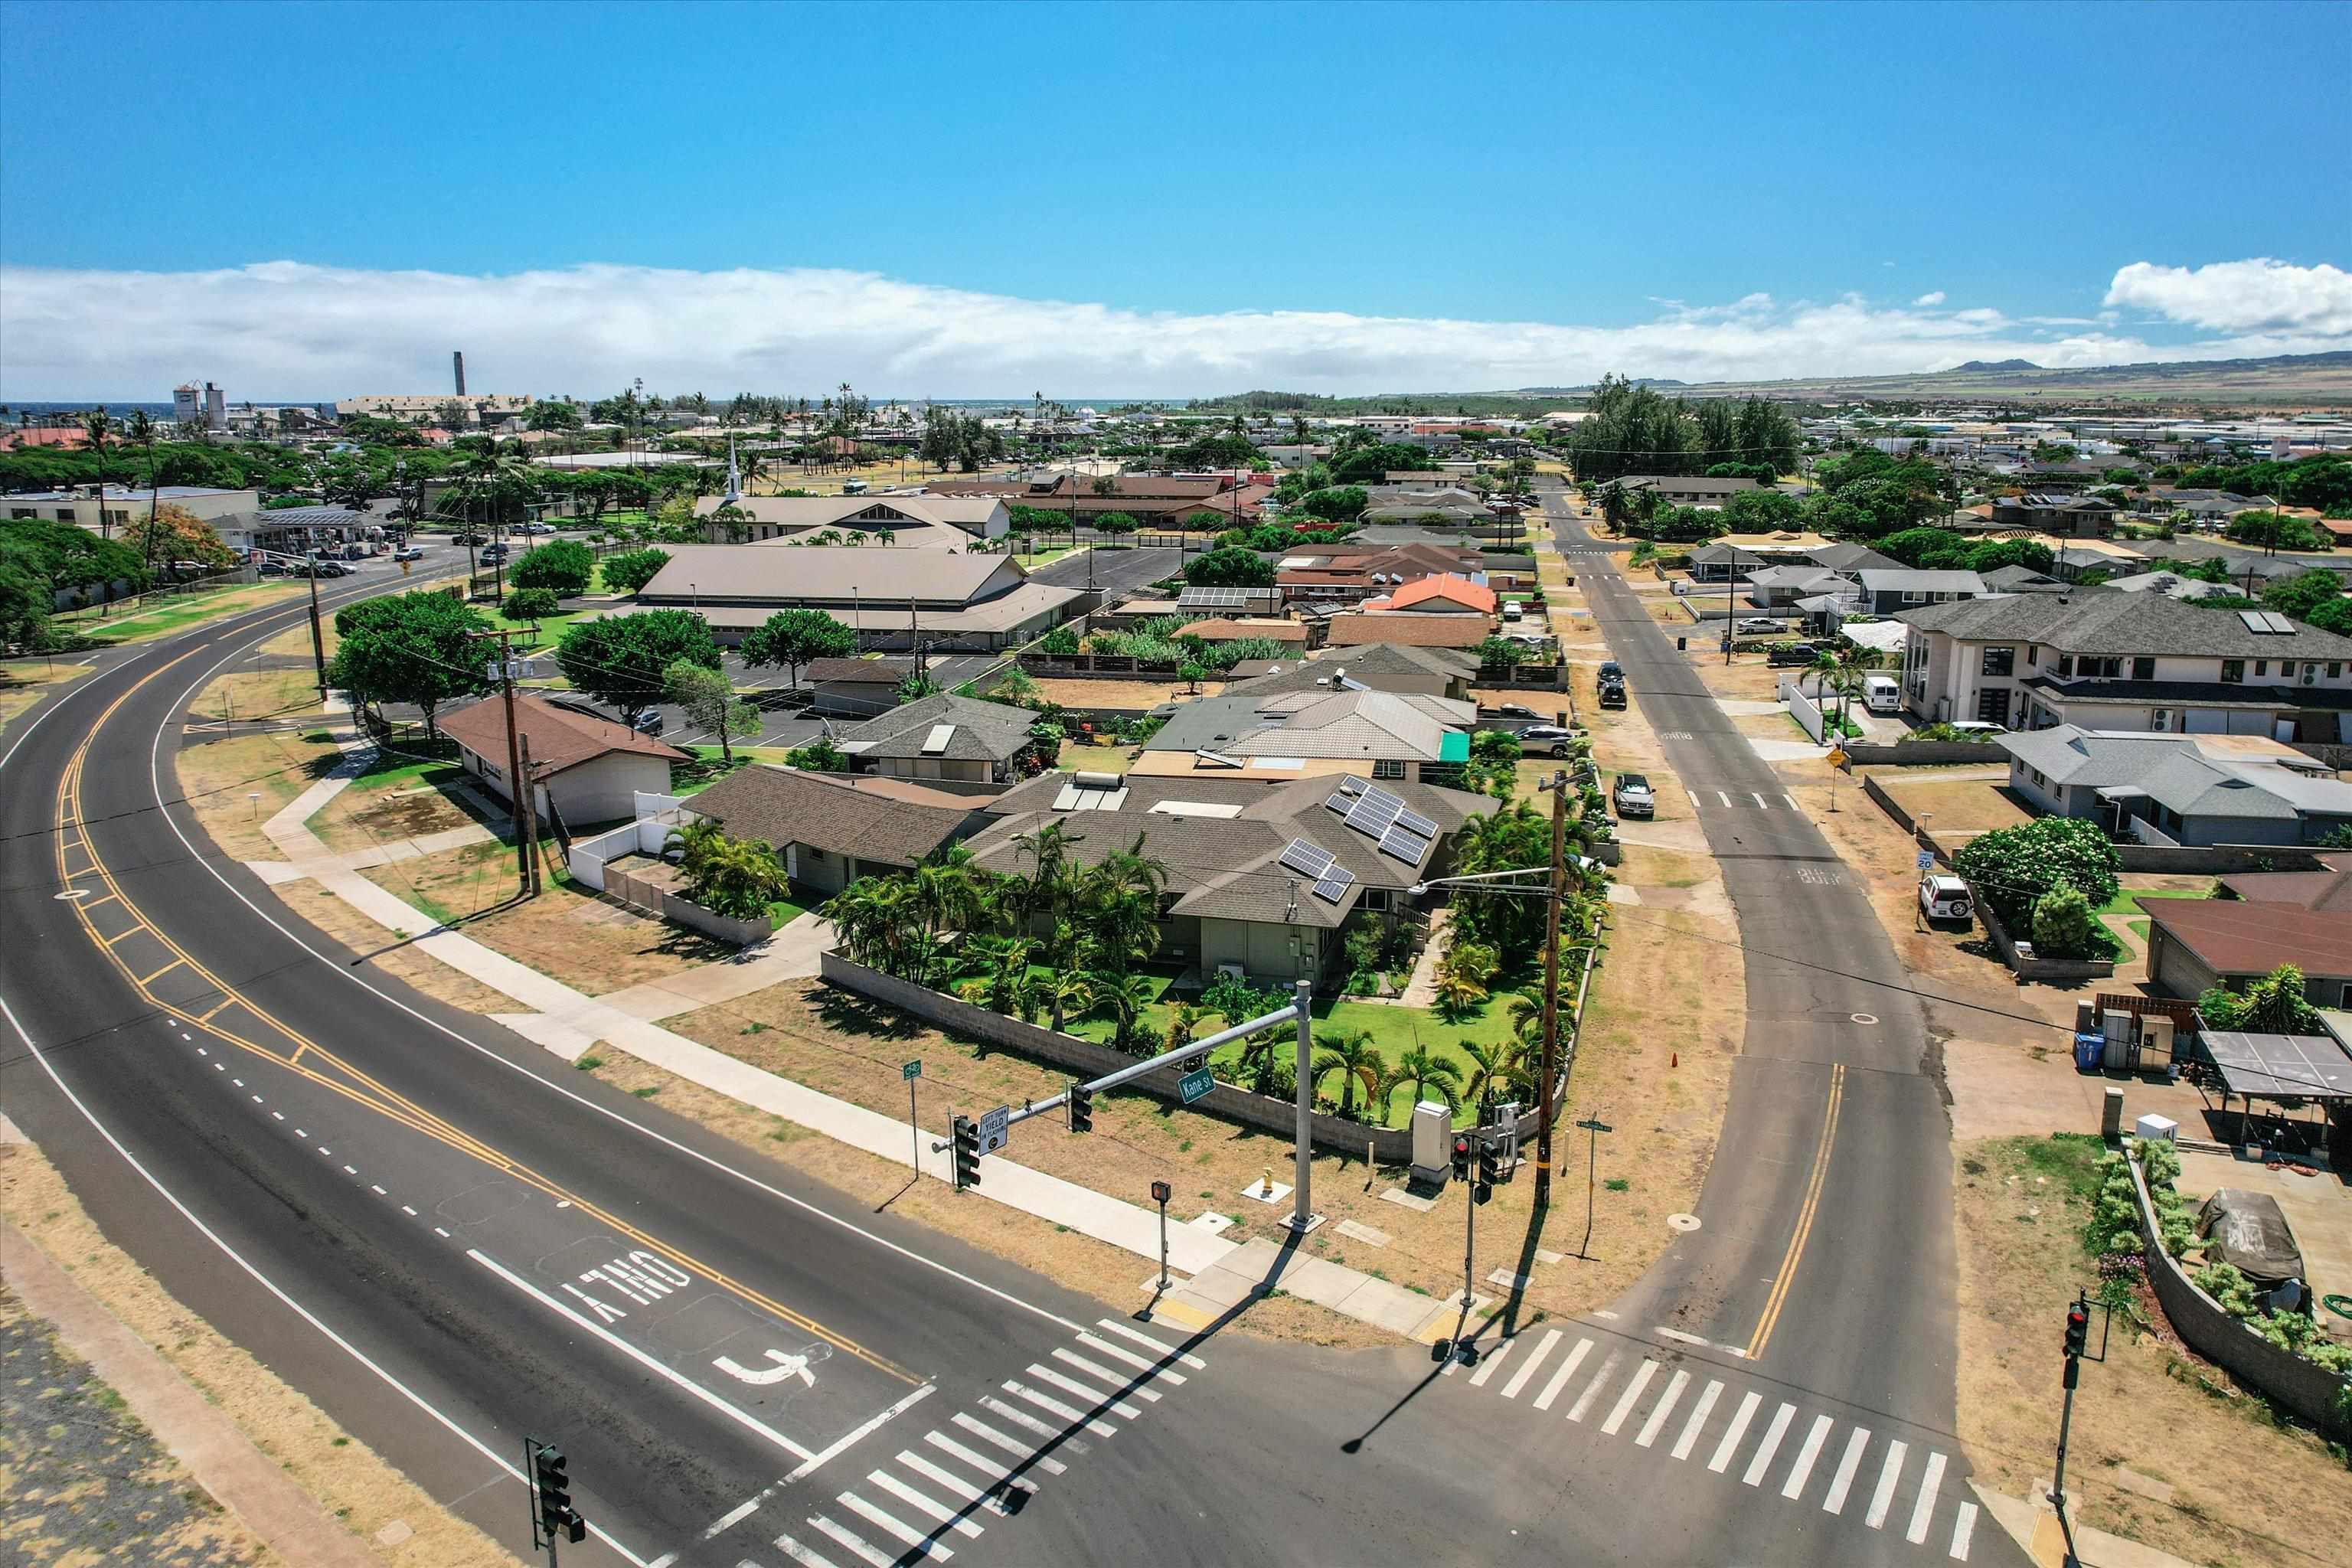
pixel 2129 900
pixel 407 774
pixel 164 616
pixel 706 769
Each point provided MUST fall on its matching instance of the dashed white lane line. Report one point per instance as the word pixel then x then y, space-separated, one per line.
pixel 440 1232
pixel 257 1099
pixel 1657 1421
pixel 1802 1471
pixel 409 1212
pixel 1488 1362
pixel 348 1170
pixel 378 1190
pixel 278 1114
pixel 923 1505
pixel 1725 798
pixel 1843 1480
pixel 238 1082
pixel 1930 1482
pixel 1758 796
pixel 1888 1474
pixel 1528 1368
pixel 1625 1405
pixel 217 1067
pixel 1592 1390
pixel 1964 1524
pixel 1567 1370
pixel 1769 1446
pixel 1693 797
pixel 1791 799
pixel 1699 1413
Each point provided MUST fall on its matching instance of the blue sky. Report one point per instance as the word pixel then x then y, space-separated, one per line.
pixel 1596 169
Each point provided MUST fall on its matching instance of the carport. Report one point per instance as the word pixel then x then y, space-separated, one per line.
pixel 2285 1074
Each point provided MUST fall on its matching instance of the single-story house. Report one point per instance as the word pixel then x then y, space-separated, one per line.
pixel 1315 731
pixel 2178 789
pixel 2075 560
pixel 1678 490
pixel 1720 563
pixel 1446 594
pixel 831 830
pixel 2195 945
pixel 1849 558
pixel 1408 630
pixel 943 737
pixel 1775 587
pixel 2020 580
pixel 2329 889
pixel 1380 666
pixel 1264 880
pixel 858 688
pixel 1887 593
pixel 589 769
pixel 2171 583
pixel 888 597
pixel 938 522
pixel 1219 601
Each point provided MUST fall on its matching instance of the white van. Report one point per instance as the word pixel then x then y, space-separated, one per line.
pixel 1882 694
pixel 1511 611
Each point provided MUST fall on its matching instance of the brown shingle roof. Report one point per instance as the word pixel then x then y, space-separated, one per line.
pixel 1414 631
pixel 2235 938
pixel 784 805
pixel 860 671
pixel 558 737
pixel 2329 890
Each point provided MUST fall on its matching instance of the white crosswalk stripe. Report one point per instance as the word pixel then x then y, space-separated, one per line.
pixel 890 1525
pixel 965 1493
pixel 1164 1351
pixel 1738 1429
pixel 1567 1370
pixel 1657 1421
pixel 856 1544
pixel 1012 1446
pixel 1770 1446
pixel 1699 1413
pixel 923 1504
pixel 801 1555
pixel 1802 1471
pixel 1841 1481
pixel 1888 1474
pixel 1625 1405
pixel 978 1461
pixel 1143 1365
pixel 1964 1525
pixel 1488 1362
pixel 1592 1390
pixel 1925 1508
pixel 1103 1374
pixel 1526 1368
pixel 1029 1423
pixel 1093 1398
pixel 1055 1407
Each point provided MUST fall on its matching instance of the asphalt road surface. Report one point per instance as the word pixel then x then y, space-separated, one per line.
pixel 450 1239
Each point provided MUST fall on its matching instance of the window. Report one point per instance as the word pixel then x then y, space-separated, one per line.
pixel 1388 768
pixel 1912 596
pixel 2065 666
pixel 2335 667
pixel 2041 781
pixel 2001 661
pixel 2143 670
pixel 2033 654
pixel 2261 666
pixel 2233 671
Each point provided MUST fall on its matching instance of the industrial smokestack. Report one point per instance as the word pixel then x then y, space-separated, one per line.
pixel 457 363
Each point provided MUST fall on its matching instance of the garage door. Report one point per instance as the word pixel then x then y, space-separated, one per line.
pixel 2204 720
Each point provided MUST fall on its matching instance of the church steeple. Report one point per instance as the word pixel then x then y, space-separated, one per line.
pixel 734 478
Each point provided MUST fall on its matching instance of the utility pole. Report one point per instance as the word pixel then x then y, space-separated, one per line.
pixel 1547 1087
pixel 529 826
pixel 317 638
pixel 517 785
pixel 1302 1217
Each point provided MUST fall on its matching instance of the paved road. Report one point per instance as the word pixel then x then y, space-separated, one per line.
pixel 449 1239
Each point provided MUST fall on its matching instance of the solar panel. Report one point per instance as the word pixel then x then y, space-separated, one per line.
pixel 1304 859
pixel 1331 889
pixel 2279 623
pixel 1351 786
pixel 2253 621
pixel 1375 814
pixel 1414 822
pixel 1342 803
pixel 1401 845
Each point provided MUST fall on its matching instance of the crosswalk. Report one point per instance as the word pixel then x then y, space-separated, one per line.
pixel 985 1463
pixel 1742 800
pixel 1630 1393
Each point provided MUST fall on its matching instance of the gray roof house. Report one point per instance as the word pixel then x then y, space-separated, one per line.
pixel 2172 583
pixel 2178 789
pixel 2068 516
pixel 1887 593
pixel 1775 586
pixel 2108 660
pixel 1286 735
pixel 1382 667
pixel 958 601
pixel 942 737
pixel 1262 880
pixel 1850 558
pixel 2020 580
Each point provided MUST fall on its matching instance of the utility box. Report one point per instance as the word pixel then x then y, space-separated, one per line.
pixel 2159 1127
pixel 1433 1143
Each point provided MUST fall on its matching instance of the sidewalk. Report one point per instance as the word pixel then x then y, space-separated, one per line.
pixel 568 1022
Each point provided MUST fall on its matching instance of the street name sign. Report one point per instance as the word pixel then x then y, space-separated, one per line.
pixel 1194 1084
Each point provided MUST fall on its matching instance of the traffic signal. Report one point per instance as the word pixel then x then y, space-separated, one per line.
pixel 1461 1159
pixel 551 1482
pixel 963 1134
pixel 2078 1329
pixel 1082 1109
pixel 1490 1161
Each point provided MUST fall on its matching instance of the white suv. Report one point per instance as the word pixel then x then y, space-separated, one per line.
pixel 1944 897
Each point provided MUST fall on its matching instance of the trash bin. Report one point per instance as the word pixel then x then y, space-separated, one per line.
pixel 2088 1050
pixel 1681 643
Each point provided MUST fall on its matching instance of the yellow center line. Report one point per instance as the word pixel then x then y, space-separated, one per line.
pixel 1805 1214
pixel 369 1093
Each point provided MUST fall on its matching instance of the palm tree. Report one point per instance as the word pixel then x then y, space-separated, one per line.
pixel 1613 507
pixel 97 427
pixel 737 878
pixel 1426 1074
pixel 1183 1017
pixel 141 431
pixel 1127 995
pixel 1500 1066
pixel 1526 1007
pixel 1256 1061
pixel 1351 1054
pixel 1070 992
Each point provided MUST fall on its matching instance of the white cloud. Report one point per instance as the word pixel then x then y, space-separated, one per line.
pixel 289 330
pixel 2256 296
pixel 1925 300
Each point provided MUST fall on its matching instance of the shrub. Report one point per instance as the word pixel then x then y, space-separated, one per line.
pixel 2012 867
pixel 529 604
pixel 563 565
pixel 2063 924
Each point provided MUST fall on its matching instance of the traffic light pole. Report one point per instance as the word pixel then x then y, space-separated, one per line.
pixel 2078 1339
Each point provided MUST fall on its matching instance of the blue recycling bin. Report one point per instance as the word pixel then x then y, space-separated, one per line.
pixel 2089 1050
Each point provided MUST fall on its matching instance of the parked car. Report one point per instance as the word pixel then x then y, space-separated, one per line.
pixel 1631 796
pixel 1545 739
pixel 649 722
pixel 1979 727
pixel 1613 694
pixel 1788 653
pixel 271 569
pixel 1764 623
pixel 1612 670
pixel 1509 711
pixel 1944 897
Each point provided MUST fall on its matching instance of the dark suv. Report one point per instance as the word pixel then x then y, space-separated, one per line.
pixel 1791 653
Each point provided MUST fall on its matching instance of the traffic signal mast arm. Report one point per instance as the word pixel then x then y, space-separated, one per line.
pixel 1282 1015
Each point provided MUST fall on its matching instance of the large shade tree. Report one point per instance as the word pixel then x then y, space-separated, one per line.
pixel 621 660
pixel 791 638
pixel 409 648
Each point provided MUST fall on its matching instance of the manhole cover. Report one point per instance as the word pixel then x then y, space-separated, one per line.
pixel 1863 1017
pixel 1681 1221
